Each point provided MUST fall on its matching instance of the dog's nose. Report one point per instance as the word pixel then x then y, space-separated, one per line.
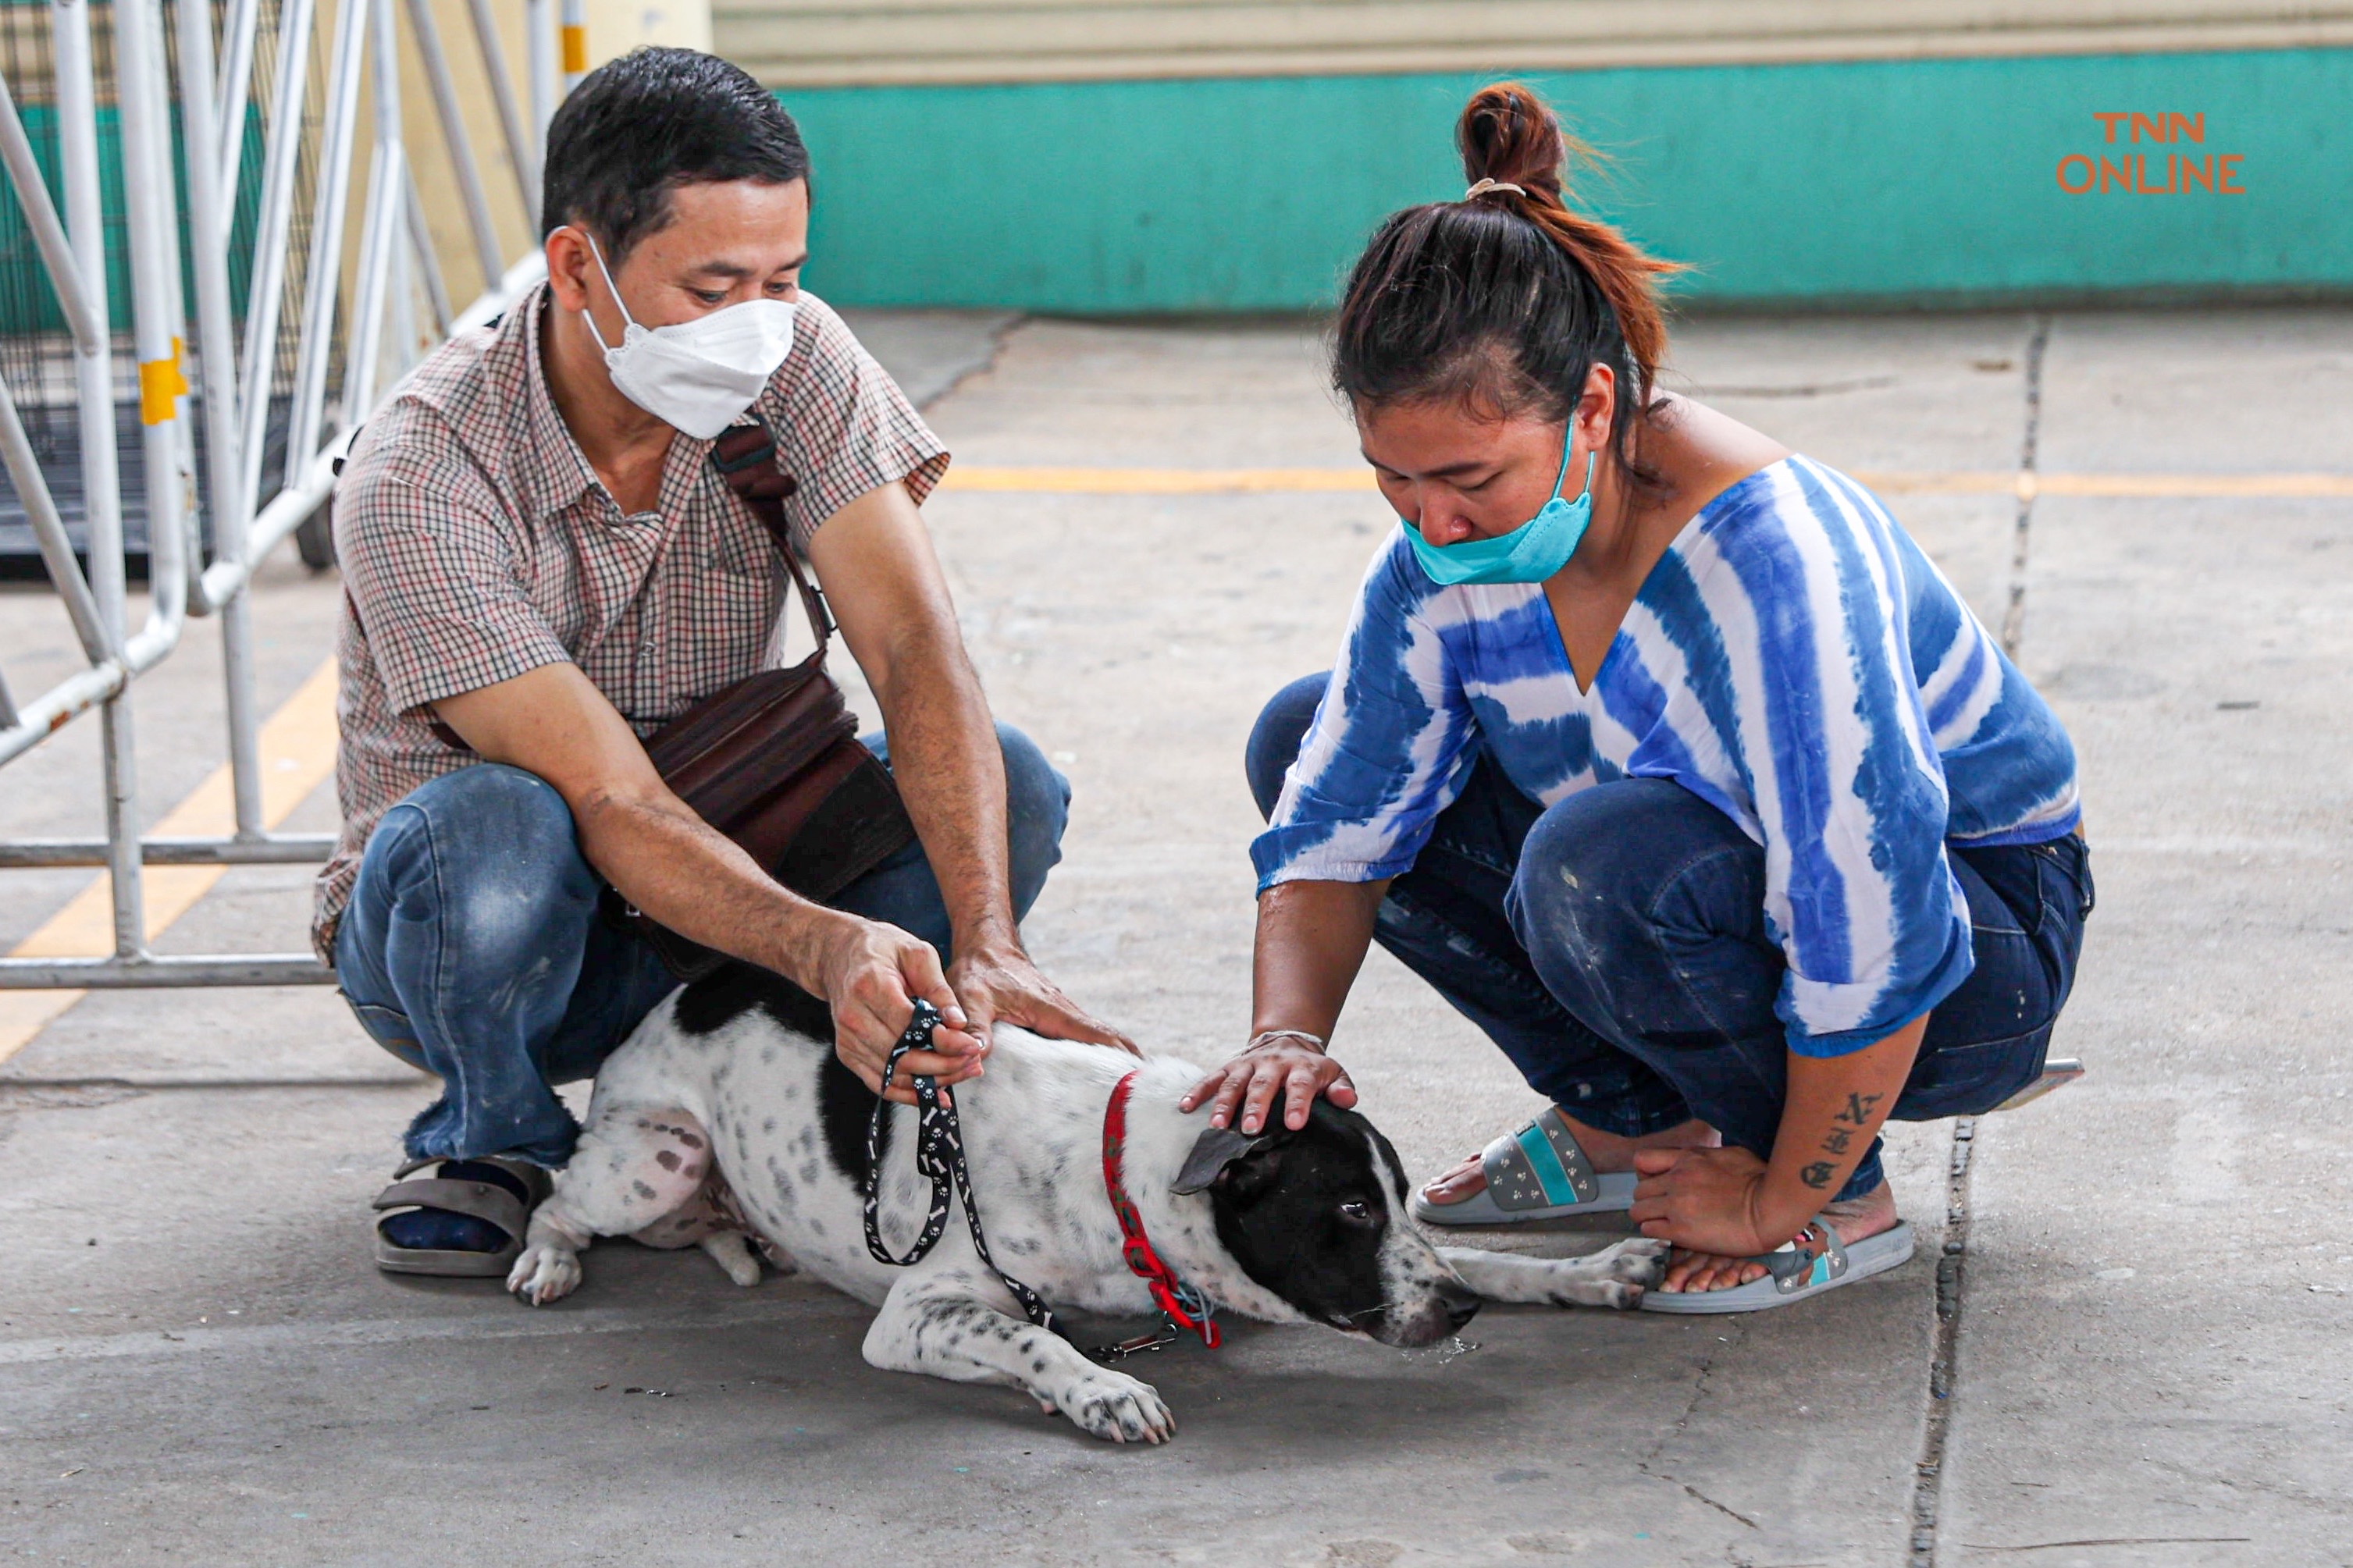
pixel 1460 1304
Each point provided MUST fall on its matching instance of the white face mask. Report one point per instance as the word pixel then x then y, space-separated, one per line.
pixel 698 376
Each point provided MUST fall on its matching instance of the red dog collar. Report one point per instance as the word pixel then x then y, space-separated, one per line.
pixel 1182 1305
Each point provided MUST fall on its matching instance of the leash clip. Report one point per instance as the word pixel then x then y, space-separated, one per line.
pixel 1113 1354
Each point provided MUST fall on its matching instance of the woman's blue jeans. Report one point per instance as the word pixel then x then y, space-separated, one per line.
pixel 473 947
pixel 1614 945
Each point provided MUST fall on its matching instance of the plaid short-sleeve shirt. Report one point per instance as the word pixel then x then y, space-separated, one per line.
pixel 477 544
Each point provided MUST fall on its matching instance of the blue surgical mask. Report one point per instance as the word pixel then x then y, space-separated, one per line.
pixel 1529 553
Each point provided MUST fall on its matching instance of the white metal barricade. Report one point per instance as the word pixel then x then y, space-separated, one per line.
pixel 202 548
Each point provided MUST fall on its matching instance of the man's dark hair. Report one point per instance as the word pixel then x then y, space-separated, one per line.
pixel 654 120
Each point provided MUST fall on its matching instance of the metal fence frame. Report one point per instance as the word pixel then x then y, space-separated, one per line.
pixel 232 522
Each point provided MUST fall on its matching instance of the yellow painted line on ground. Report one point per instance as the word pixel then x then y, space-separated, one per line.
pixel 2197 484
pixel 1256 481
pixel 298 755
pixel 2141 486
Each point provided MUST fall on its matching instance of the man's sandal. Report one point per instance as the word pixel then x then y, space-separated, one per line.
pixel 1537 1172
pixel 1815 1262
pixel 489 1201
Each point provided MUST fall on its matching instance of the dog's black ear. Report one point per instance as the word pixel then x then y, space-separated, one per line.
pixel 1213 1150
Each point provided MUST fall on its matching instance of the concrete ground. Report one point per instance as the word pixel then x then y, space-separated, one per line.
pixel 2155 1335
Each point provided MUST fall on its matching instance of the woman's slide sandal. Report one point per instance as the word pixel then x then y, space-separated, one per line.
pixel 1817 1261
pixel 487 1201
pixel 1537 1172
pixel 2058 1073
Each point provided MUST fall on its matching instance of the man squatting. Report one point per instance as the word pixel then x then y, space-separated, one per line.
pixel 542 568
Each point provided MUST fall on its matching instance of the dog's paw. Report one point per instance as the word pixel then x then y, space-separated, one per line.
pixel 1614 1294
pixel 779 1258
pixel 1617 1277
pixel 544 1273
pixel 732 1250
pixel 1113 1406
pixel 1639 1260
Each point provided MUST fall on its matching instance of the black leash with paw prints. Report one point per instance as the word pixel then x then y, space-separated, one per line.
pixel 939 1158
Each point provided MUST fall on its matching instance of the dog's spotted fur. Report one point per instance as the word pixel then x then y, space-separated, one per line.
pixel 727 1120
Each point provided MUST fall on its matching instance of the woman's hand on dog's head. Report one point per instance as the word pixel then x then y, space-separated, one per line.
pixel 1285 1065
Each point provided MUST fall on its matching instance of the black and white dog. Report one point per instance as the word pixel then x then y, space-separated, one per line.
pixel 727 1113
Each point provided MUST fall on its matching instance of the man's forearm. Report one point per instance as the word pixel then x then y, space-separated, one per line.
pixel 675 867
pixel 950 771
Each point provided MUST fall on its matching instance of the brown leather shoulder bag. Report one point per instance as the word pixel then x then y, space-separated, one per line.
pixel 773 761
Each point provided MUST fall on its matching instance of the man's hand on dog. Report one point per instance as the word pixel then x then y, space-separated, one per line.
pixel 1001 985
pixel 869 973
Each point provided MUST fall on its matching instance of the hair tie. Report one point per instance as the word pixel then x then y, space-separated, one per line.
pixel 1483 187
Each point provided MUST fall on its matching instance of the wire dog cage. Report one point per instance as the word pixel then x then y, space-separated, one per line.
pixel 35 346
pixel 200 301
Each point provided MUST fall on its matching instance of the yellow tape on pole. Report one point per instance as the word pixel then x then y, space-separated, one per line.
pixel 576 49
pixel 161 384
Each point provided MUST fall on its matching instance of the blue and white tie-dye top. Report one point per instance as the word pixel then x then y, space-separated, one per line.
pixel 1794 660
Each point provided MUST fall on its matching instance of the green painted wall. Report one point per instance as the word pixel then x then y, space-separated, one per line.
pixel 1927 181
pixel 27 302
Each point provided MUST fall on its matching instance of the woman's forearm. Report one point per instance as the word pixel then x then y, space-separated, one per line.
pixel 1312 938
pixel 1833 1108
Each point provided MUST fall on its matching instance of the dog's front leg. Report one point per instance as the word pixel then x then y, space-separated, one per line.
pixel 1614 1277
pixel 955 1324
pixel 632 1168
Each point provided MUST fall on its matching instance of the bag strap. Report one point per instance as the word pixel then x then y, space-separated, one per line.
pixel 745 458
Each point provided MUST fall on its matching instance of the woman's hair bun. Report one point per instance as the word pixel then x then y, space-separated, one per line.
pixel 1506 301
pixel 1508 134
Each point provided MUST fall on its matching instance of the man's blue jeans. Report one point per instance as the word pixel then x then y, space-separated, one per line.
pixel 473 947
pixel 1614 945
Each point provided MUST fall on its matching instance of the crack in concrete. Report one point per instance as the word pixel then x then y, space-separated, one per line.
pixel 1944 1354
pixel 266 1340
pixel 1728 1512
pixel 2118 1541
pixel 2013 617
pixel 1683 1422
pixel 2282 1489
pixel 1928 1473
pixel 118 1087
pixel 999 334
